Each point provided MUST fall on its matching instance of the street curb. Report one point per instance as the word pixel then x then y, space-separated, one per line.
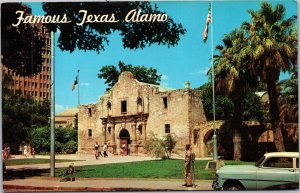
pixel 102 189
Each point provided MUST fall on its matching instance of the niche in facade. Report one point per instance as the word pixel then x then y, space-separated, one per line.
pixel 109 108
pixel 139 105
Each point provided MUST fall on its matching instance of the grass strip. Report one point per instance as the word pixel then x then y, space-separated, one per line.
pixel 30 161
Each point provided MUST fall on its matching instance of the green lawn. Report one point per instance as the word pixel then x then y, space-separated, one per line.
pixel 162 169
pixel 159 169
pixel 12 162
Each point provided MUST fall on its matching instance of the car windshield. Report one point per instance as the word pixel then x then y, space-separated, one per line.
pixel 259 161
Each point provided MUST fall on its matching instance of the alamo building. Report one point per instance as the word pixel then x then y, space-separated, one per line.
pixel 132 110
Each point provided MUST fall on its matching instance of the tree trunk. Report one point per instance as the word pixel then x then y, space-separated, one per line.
pixel 274 115
pixel 235 125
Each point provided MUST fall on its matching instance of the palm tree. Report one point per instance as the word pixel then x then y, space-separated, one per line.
pixel 233 78
pixel 272 48
pixel 288 100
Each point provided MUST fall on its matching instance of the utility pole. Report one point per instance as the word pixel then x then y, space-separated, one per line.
pixel 52 119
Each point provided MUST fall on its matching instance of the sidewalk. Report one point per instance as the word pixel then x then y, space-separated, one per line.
pixel 53 184
pixel 94 184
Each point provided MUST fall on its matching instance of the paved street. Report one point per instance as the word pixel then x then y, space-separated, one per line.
pixel 95 184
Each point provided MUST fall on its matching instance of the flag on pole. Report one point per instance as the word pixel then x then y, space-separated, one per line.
pixel 74 84
pixel 208 20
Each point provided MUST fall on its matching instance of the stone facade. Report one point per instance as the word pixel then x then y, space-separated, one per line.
pixel 132 110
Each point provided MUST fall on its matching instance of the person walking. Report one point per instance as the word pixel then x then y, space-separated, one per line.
pixel 96 146
pixel 4 152
pixel 25 151
pixel 8 151
pixel 33 152
pixel 123 149
pixel 105 150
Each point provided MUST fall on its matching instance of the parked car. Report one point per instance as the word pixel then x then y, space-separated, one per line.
pixel 278 170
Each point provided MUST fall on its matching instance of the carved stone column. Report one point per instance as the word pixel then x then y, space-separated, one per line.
pixel 104 133
pixel 144 131
pixel 134 150
pixel 113 138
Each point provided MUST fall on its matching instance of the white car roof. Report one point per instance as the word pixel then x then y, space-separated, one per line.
pixel 282 154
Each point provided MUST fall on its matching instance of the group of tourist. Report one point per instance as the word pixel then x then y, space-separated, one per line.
pixel 98 152
pixel 27 151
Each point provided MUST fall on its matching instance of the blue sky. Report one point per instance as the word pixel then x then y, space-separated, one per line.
pixel 188 61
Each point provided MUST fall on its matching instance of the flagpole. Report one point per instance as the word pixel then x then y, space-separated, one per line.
pixel 78 89
pixel 215 152
pixel 52 116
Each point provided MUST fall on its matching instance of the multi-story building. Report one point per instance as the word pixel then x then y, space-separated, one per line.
pixel 37 86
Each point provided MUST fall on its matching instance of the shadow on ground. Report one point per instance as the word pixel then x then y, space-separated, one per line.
pixel 23 173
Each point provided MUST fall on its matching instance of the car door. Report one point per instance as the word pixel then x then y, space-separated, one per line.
pixel 276 173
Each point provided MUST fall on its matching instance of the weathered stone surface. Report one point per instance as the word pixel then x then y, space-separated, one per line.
pixel 146 108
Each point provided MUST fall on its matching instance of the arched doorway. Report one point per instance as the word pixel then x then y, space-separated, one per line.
pixel 124 138
pixel 208 141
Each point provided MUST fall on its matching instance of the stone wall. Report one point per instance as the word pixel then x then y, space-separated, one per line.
pixel 149 109
pixel 88 120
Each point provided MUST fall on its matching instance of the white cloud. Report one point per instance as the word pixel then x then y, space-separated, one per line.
pixel 85 84
pixel 164 77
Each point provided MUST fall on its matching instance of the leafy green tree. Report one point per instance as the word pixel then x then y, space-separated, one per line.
pixel 65 139
pixel 94 36
pixel 233 77
pixel 223 105
pixel 21 46
pixel 272 48
pixel 288 100
pixel 169 143
pixel 20 115
pixel 143 74
pixel 252 108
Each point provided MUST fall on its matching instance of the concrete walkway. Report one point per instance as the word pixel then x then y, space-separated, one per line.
pixel 94 184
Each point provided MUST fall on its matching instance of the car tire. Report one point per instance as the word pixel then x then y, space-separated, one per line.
pixel 233 186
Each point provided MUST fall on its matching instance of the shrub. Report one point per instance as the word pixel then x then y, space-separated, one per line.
pixel 70 147
pixel 160 148
pixel 65 140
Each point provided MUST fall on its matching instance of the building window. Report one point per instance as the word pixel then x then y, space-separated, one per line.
pixel 40 94
pixel 165 100
pixel 109 130
pixel 167 128
pixel 25 83
pixel 90 112
pixel 90 133
pixel 123 106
